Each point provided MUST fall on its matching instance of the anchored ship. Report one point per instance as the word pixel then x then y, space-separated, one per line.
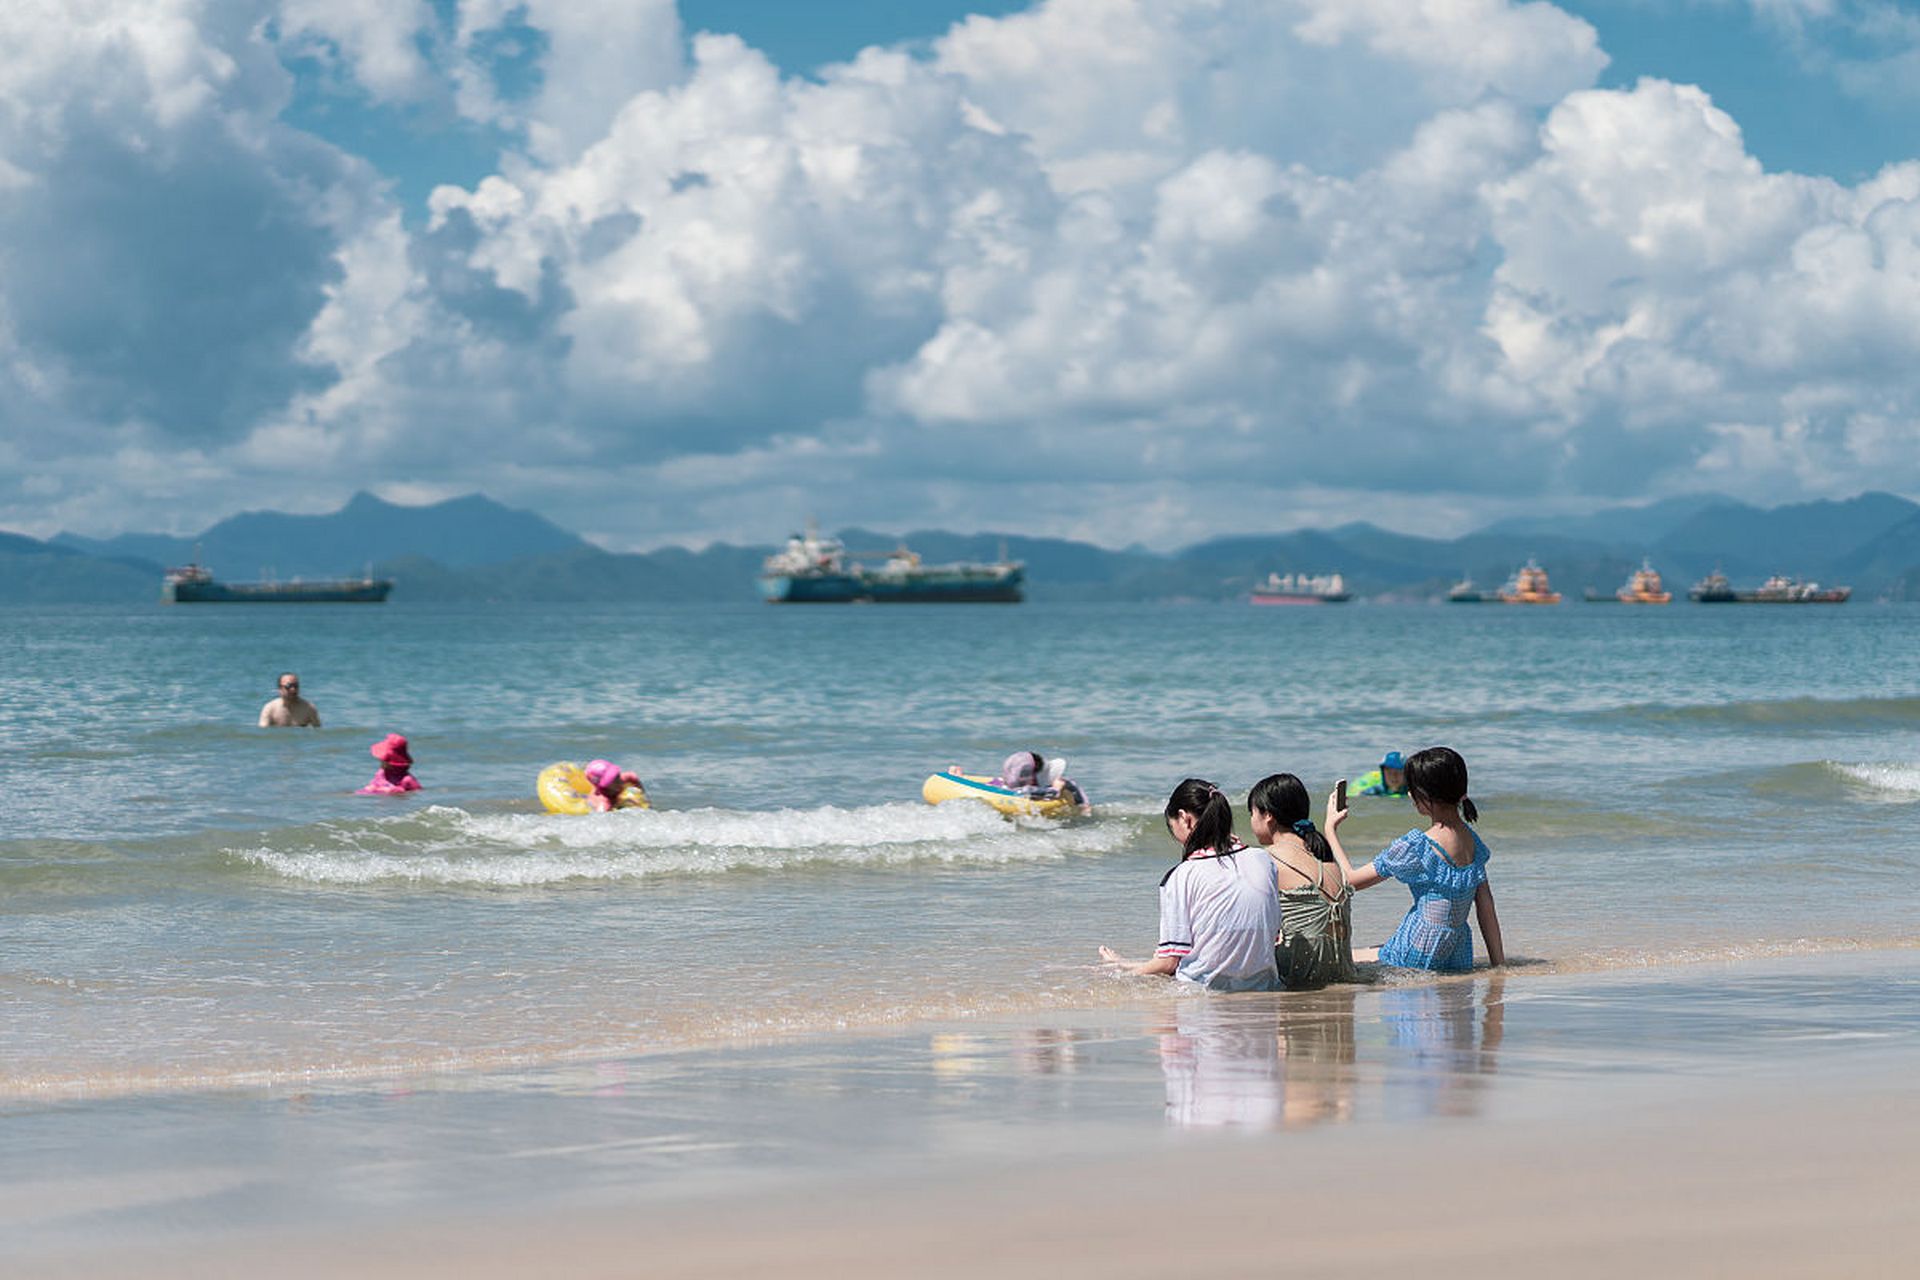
pixel 1715 589
pixel 1464 592
pixel 1319 588
pixel 1528 585
pixel 812 569
pixel 1642 587
pixel 195 584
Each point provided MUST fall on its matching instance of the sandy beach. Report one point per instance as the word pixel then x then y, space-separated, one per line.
pixel 1712 1119
pixel 1755 1187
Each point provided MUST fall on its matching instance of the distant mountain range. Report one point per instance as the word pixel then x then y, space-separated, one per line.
pixel 462 533
pixel 475 549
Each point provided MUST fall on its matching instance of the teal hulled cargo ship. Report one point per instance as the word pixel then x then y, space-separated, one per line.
pixel 195 584
pixel 816 570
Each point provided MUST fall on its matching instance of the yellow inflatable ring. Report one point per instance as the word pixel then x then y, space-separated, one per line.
pixel 563 788
pixel 945 785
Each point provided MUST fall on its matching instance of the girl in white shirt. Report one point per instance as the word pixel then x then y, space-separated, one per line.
pixel 1219 910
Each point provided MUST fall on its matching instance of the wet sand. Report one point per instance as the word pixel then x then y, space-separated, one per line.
pixel 1752 1119
pixel 1761 1188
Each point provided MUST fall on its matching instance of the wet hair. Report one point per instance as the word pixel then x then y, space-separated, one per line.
pixel 1212 812
pixel 1439 776
pixel 1283 797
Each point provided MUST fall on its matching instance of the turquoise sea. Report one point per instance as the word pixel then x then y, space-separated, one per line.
pixel 186 900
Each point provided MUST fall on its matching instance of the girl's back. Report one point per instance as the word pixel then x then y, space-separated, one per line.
pixel 1219 914
pixel 1456 843
pixel 1316 925
pixel 1435 933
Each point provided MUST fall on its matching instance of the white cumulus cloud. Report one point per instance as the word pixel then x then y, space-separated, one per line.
pixel 1115 268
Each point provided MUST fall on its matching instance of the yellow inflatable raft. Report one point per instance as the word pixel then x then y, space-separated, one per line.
pixel 946 785
pixel 564 788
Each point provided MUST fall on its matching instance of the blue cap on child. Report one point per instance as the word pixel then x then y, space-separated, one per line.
pixel 1394 760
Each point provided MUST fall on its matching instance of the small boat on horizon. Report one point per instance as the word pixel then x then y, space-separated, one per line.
pixel 1464 592
pixel 1319 588
pixel 1643 586
pixel 1779 589
pixel 1528 585
pixel 1712 589
pixel 1782 590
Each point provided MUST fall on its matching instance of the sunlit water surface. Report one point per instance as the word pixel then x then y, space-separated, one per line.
pixel 186 899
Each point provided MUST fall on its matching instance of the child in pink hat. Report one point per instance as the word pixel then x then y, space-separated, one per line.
pixel 609 782
pixel 396 768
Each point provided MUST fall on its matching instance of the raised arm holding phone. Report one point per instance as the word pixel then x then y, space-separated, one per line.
pixel 1444 866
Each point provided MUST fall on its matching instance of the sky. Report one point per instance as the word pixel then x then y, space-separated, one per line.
pixel 1133 271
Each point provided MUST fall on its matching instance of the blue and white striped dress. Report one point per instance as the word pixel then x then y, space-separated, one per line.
pixel 1435 933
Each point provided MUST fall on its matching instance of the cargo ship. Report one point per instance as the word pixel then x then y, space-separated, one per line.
pixel 812 569
pixel 1715 589
pixel 1643 587
pixel 195 584
pixel 1319 588
pixel 1528 585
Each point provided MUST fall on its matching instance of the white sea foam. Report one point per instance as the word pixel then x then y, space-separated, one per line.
pixel 452 847
pixel 1894 780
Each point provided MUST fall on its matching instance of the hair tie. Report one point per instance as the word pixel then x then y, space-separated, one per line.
pixel 1303 826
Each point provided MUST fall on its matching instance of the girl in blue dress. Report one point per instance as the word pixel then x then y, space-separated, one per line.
pixel 1445 866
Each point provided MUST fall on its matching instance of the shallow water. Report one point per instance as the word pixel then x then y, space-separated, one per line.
pixel 187 900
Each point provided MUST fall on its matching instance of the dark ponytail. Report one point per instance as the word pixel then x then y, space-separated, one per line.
pixel 1283 798
pixel 1439 776
pixel 1213 817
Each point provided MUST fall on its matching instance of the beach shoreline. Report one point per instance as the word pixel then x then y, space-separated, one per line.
pixel 1112 993
pixel 1732 1115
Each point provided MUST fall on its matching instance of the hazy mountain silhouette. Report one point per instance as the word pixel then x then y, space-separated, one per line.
pixel 474 549
pixel 459 533
pixel 1642 526
pixel 1807 539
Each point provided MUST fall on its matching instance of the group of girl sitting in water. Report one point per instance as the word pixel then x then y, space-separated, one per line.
pixel 1232 919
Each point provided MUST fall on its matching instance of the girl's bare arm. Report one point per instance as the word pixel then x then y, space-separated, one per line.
pixel 1161 966
pixel 1489 918
pixel 1362 878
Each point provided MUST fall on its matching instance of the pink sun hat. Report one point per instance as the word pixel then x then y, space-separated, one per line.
pixel 392 750
pixel 602 773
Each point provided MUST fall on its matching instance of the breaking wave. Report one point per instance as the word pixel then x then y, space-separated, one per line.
pixel 447 846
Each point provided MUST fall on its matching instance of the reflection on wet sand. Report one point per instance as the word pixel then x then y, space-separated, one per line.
pixel 1290 1061
pixel 1317 1043
pixel 1443 1040
pixel 1029 1051
pixel 1221 1059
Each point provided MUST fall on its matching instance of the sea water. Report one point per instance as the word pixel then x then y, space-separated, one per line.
pixel 187 900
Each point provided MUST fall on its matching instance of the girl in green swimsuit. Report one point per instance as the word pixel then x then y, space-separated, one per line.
pixel 1316 907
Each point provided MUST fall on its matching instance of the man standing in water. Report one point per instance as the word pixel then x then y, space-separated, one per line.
pixel 289 710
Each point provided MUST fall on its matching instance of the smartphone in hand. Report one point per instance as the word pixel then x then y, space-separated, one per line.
pixel 1340 796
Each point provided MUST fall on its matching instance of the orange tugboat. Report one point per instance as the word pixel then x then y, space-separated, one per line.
pixel 1644 587
pixel 1528 586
